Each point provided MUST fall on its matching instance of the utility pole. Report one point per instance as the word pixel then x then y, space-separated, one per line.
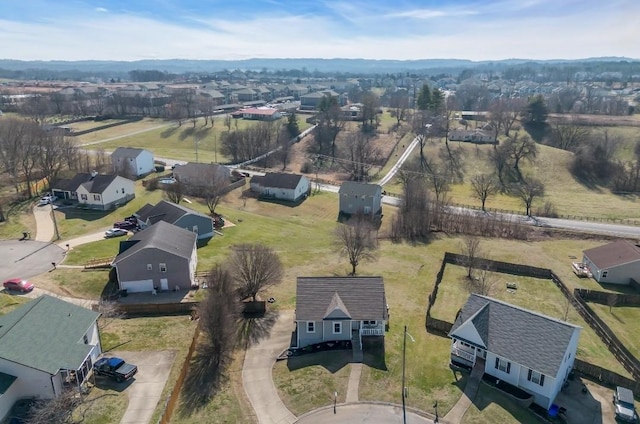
pixel 404 360
pixel 55 223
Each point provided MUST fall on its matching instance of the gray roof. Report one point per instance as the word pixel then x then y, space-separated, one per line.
pixel 46 334
pixel 200 171
pixel 127 152
pixel 361 189
pixel 613 254
pixel 360 298
pixel 165 211
pixel 530 339
pixel 163 236
pixel 95 184
pixel 279 180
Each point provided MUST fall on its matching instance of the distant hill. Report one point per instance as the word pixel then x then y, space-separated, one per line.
pixel 321 65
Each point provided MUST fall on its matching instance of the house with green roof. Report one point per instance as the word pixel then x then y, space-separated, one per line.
pixel 46 346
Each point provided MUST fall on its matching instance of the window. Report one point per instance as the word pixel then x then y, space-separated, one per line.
pixel 311 327
pixel 370 322
pixel 337 327
pixel 96 197
pixel 195 228
pixel 503 365
pixel 535 377
pixel 122 191
pixel 604 274
pixel 149 267
pixel 163 267
pixel 85 339
pixel 83 197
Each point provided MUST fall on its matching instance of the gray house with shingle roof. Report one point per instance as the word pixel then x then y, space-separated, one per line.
pixel 46 346
pixel 281 186
pixel 96 191
pixel 614 263
pixel 528 350
pixel 161 257
pixel 177 215
pixel 360 198
pixel 339 308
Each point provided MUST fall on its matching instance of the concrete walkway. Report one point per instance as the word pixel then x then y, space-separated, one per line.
pixel 354 383
pixel 89 238
pixel 256 373
pixel 470 390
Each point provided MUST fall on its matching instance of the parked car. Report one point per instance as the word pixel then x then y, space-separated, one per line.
pixel 115 368
pixel 17 284
pixel 625 408
pixel 126 225
pixel 47 199
pixel 115 232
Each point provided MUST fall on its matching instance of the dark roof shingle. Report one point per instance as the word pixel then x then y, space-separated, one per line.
pixel 280 180
pixel 162 236
pixel 530 339
pixel 164 211
pixel 362 298
pixel 613 254
pixel 360 189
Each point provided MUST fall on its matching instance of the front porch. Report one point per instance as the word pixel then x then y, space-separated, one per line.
pixel 466 354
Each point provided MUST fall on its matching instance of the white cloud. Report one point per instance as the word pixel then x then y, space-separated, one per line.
pixel 101 9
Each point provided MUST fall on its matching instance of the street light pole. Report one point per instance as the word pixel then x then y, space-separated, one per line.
pixel 404 359
pixel 55 223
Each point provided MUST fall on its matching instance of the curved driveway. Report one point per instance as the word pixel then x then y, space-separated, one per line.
pixel 256 373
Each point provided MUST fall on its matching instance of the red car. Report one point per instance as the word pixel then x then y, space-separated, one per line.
pixel 17 284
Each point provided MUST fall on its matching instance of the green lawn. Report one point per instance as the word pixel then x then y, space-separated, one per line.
pixel 492 406
pixel 180 142
pixel 8 302
pixel 121 130
pixel 82 254
pixel 625 320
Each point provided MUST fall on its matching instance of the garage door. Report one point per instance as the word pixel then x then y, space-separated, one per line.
pixel 137 286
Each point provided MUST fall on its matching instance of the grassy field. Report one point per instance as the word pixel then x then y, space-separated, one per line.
pixel 179 142
pixel 8 302
pixel 88 125
pixel 625 320
pixel 18 218
pixel 121 130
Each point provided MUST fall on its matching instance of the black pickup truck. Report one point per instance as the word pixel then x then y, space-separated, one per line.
pixel 116 368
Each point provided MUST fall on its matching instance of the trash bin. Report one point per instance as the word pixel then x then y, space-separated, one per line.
pixel 123 292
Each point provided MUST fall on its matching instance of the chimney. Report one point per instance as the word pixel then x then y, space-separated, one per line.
pixel 93 174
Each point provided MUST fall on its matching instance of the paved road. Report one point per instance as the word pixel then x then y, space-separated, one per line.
pixel 256 373
pixel 362 413
pixel 26 259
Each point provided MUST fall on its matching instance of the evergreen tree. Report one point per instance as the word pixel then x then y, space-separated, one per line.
pixel 437 100
pixel 536 112
pixel 424 98
pixel 292 125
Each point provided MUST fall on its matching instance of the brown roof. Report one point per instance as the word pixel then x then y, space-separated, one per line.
pixel 613 254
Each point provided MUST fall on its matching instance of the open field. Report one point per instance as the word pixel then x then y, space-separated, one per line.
pixel 175 142
pixel 87 125
pixel 121 130
pixel 570 196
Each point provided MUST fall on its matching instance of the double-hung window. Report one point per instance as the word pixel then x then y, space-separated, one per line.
pixel 503 365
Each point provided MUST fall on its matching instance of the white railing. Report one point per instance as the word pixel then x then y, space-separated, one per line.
pixel 463 354
pixel 372 331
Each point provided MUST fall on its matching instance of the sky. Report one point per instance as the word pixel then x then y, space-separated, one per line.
pixel 370 29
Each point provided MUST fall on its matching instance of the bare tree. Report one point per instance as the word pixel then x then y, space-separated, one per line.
pixel 413 220
pixel 568 136
pixel 481 284
pixel 566 307
pixel 521 148
pixel 52 152
pixel 399 103
pixel 357 241
pixel 528 191
pixel 471 249
pixel 362 155
pixel 58 410
pixel 500 156
pixel 217 185
pixel 612 300
pixel 174 192
pixel 218 316
pixel 109 312
pixel 254 268
pixel 483 186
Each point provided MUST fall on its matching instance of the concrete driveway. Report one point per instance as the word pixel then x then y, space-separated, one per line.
pixel 26 259
pixel 146 389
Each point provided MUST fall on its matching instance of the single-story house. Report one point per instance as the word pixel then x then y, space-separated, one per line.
pixel 472 136
pixel 614 263
pixel 339 308
pixel 360 198
pixel 526 349
pixel 177 215
pixel 281 186
pixel 96 191
pixel 201 174
pixel 46 346
pixel 132 162
pixel 161 257
pixel 312 101
pixel 261 113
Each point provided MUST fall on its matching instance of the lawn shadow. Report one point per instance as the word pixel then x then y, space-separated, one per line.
pixel 252 329
pixel 282 202
pixel 332 360
pixel 203 242
pixel 487 396
pixel 106 383
pixel 168 132
pixel 186 133
pixel 83 214
pixel 374 352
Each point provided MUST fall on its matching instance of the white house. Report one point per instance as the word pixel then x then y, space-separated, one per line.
pixel 472 136
pixel 105 191
pixel 613 263
pixel 46 346
pixel 523 348
pixel 132 162
pixel 281 186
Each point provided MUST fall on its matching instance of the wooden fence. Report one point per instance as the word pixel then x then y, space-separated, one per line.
pixel 98 263
pixel 608 298
pixel 171 404
pixel 615 346
pixel 602 375
pixel 152 309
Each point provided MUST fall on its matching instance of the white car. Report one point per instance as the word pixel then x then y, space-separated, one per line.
pixel 115 232
pixel 47 199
